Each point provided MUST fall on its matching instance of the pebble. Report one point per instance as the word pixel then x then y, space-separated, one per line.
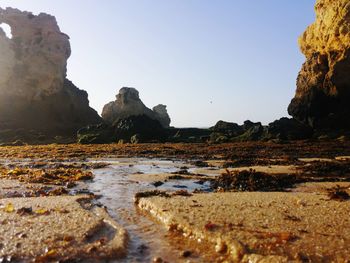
pixel 186 254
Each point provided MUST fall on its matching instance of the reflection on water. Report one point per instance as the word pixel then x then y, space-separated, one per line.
pixel 148 239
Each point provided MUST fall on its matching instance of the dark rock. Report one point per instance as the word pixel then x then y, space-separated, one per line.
pixel 187 134
pixel 249 124
pixel 322 104
pixel 186 254
pixel 134 129
pixel 283 129
pixel 224 131
pixel 157 183
pixel 253 131
pixel 228 129
pixel 146 129
pixel 95 134
pixel 200 163
pixel 288 129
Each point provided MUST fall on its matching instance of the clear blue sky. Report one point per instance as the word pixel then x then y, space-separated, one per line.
pixel 205 59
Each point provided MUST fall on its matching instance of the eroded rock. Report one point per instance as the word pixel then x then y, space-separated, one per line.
pixel 34 91
pixel 323 85
pixel 162 115
pixel 128 104
pixel 134 129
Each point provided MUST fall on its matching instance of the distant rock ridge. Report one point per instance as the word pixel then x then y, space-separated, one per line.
pixel 282 129
pixel 34 91
pixel 128 103
pixel 323 85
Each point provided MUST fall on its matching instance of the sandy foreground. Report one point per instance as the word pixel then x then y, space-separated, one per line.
pixel 59 227
pixel 302 224
pixel 260 226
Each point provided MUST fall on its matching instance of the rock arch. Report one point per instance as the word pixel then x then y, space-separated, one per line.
pixel 6 29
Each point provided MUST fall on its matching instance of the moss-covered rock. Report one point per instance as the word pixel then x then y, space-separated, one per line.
pixel 95 134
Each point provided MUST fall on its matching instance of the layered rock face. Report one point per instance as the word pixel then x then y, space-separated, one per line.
pixel 34 91
pixel 128 103
pixel 323 85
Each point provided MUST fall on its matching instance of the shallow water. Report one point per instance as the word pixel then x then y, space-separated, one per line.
pixel 148 238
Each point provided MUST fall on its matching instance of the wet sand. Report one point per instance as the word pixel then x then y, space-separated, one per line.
pixel 58 228
pixel 65 171
pixel 240 226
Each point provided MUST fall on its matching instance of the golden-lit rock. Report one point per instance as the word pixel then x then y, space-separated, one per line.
pixel 323 84
pixel 330 31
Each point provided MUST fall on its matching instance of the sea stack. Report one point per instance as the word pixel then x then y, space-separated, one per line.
pixel 323 85
pixel 128 104
pixel 34 91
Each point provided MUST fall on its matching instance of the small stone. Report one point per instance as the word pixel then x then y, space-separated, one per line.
pixel 157 183
pixel 186 254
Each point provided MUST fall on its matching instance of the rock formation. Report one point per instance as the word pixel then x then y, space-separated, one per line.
pixel 228 131
pixel 323 85
pixel 162 115
pixel 288 129
pixel 34 91
pixel 143 127
pixel 282 129
pixel 128 103
pixel 134 129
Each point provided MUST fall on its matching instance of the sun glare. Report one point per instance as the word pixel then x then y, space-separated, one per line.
pixel 7 29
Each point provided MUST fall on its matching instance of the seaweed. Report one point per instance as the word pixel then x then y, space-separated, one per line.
pixel 251 180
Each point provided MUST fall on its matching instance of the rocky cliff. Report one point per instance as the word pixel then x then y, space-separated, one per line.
pixel 128 103
pixel 323 85
pixel 34 91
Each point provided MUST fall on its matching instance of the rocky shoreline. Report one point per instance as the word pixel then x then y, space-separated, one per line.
pixel 127 186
